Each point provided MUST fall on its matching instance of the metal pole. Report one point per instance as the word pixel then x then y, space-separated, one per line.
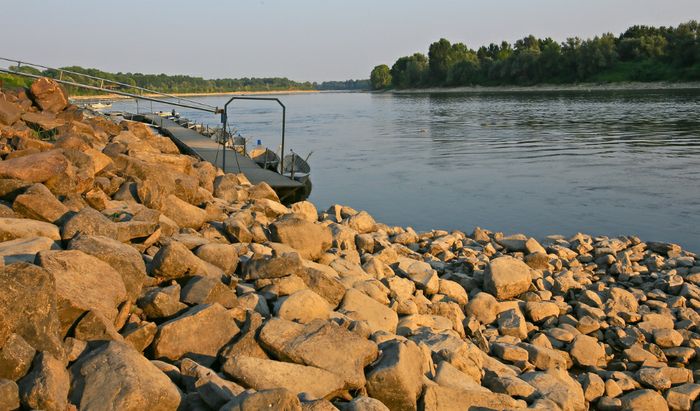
pixel 284 121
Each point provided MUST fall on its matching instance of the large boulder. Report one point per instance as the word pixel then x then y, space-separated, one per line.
pixel 359 306
pixel 9 112
pixel 303 306
pixel 309 239
pixel 199 333
pixel 38 203
pixel 83 283
pixel 48 95
pixel 556 385
pixel 507 277
pixel 261 374
pixel 28 307
pixel 12 228
pixel 35 168
pixel 275 266
pixel 446 346
pixel 91 222
pixel 397 378
pixel 25 249
pixel 274 399
pixel 183 213
pixel 123 258
pixel 175 260
pixel 223 256
pixel 116 377
pixel 47 384
pixel 321 344
pixel 438 398
pixel 643 400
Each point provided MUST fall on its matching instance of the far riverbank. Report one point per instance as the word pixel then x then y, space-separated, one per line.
pixel 231 93
pixel 623 86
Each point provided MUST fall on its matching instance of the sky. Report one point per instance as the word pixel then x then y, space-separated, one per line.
pixel 305 40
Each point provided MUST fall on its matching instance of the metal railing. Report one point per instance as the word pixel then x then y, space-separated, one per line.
pixel 145 94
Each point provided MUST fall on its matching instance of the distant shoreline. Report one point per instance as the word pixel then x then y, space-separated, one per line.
pixel 230 93
pixel 554 87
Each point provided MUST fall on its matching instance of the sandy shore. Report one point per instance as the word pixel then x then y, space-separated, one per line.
pixel 233 93
pixel 556 87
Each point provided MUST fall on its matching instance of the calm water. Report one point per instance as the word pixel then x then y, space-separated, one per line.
pixel 603 162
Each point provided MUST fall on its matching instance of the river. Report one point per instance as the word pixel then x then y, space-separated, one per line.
pixel 599 162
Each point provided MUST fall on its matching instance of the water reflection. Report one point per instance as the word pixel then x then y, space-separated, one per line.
pixel 615 162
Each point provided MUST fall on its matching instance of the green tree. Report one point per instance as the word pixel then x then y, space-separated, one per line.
pixel 380 78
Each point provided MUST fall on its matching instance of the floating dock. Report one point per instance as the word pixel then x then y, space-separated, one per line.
pixel 192 143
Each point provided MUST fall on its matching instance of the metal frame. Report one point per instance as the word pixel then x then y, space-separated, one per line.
pixel 224 121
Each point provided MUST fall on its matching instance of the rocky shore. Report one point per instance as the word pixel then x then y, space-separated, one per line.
pixel 137 278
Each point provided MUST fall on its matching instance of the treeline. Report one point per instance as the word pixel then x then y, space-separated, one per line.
pixel 169 83
pixel 344 85
pixel 642 53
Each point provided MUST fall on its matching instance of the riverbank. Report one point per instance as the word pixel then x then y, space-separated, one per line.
pixel 233 93
pixel 626 86
pixel 137 274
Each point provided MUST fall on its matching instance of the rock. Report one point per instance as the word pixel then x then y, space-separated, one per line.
pixel 223 256
pixel 682 397
pixel 89 221
pixel 184 213
pixel 509 352
pixel 361 222
pixel 309 239
pixel 174 260
pixel 586 351
pixel 654 378
pixel 558 386
pixel 93 326
pixel 396 379
pixel 303 306
pixel 261 374
pixel 593 386
pixel 324 345
pixel 544 358
pixel 123 258
pixel 363 403
pixel 275 266
pixel 247 344
pixel 437 398
pixel 35 168
pixel 306 210
pixel 48 95
pixel 28 307
pixel 322 283
pixel 9 112
pixel 484 307
pixel 9 395
pixel 207 290
pixel 411 324
pixel 83 283
pixel 140 336
pixel 42 121
pixel 643 400
pixel 117 372
pixel 38 203
pixel 14 228
pixel 667 338
pixel 158 303
pixel 25 249
pixel 446 346
pixel 447 375
pixel 47 384
pixel 506 277
pixel 199 333
pixel 16 357
pixel 511 322
pixel 540 311
pixel 359 306
pixel 273 399
pixel 421 273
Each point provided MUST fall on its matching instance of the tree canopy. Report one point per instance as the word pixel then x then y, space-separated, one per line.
pixel 641 53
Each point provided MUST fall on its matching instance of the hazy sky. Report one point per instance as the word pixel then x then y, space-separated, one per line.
pixel 311 40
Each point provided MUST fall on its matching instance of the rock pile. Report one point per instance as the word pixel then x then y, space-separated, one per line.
pixel 134 277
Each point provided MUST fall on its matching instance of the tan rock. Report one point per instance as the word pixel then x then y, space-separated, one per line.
pixel 309 239
pixel 46 386
pixel 48 95
pixel 396 379
pixel 35 168
pixel 359 306
pixel 303 306
pixel 506 277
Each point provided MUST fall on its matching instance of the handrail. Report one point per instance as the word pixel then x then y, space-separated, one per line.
pixel 214 110
pixel 102 82
pixel 224 120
